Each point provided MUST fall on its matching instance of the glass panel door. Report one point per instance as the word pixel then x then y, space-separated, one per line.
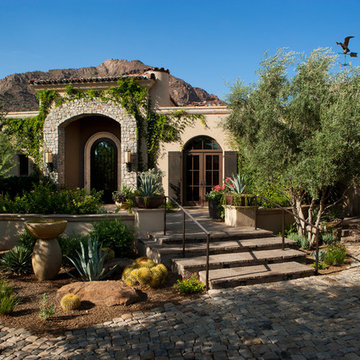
pixel 104 167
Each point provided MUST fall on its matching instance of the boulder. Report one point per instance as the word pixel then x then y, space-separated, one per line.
pixel 103 293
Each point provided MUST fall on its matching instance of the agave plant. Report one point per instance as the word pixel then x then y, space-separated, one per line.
pixel 90 262
pixel 150 183
pixel 17 260
pixel 237 184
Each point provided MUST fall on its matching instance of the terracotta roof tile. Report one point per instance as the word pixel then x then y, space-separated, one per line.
pixel 86 80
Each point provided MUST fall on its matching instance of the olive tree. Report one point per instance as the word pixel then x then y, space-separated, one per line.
pixel 299 126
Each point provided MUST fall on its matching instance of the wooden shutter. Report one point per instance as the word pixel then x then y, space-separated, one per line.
pixel 230 163
pixel 175 175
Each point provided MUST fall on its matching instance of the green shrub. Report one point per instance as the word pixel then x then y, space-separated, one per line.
pixel 90 262
pixel 321 265
pixel 26 240
pixel 45 199
pixel 70 245
pixel 190 285
pixel 115 235
pixel 322 254
pixel 17 260
pixel 8 300
pixel 335 254
pixel 301 240
pixel 329 238
pixel 46 310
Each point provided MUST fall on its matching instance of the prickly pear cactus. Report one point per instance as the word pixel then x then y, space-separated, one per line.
pixel 145 272
pixel 70 302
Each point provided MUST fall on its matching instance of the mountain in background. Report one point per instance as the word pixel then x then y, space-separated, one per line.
pixel 16 94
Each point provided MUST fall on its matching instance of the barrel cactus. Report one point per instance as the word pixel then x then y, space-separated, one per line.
pixel 70 302
pixel 144 262
pixel 145 272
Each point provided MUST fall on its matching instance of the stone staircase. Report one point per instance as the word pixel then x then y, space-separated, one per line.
pixel 351 230
pixel 238 256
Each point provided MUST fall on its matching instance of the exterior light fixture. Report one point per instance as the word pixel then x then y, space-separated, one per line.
pixel 49 160
pixel 128 160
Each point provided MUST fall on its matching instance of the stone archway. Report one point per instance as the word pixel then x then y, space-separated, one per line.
pixel 57 120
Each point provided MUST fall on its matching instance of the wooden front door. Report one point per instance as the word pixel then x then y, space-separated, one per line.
pixel 202 169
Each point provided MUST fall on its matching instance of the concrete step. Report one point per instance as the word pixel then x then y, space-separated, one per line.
pixel 186 266
pixel 227 233
pixel 166 252
pixel 246 275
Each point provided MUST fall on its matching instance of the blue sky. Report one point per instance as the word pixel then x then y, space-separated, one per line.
pixel 206 43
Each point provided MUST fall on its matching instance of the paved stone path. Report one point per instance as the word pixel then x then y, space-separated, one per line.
pixel 311 318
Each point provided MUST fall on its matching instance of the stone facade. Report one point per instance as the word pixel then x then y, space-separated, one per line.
pixel 54 133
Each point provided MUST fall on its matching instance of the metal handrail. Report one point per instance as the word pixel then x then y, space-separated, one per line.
pixel 283 210
pixel 208 234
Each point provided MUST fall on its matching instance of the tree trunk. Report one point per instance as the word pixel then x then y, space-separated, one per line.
pixel 296 202
pixel 318 218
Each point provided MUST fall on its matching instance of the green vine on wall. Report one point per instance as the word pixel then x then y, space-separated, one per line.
pixel 158 128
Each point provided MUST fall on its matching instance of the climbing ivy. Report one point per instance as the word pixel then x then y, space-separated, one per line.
pixel 128 93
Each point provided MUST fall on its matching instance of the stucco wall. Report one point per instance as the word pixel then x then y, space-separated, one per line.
pixel 214 118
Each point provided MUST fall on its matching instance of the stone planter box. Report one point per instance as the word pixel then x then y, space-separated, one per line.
pixel 240 215
pixel 268 219
pixel 13 224
pixel 148 221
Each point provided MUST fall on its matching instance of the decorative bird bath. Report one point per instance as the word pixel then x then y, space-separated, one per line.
pixel 46 257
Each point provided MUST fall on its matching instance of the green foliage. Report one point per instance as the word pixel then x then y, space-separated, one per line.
pixel 322 254
pixel 17 185
pixel 190 285
pixel 144 272
pixel 46 199
pixel 7 154
pixel 70 245
pixel 123 194
pixel 46 311
pixel 335 254
pixel 329 238
pixel 302 131
pixel 26 240
pixel 115 235
pixel 8 300
pixel 17 260
pixel 301 240
pixel 28 132
pixel 150 183
pixel 70 302
pixel 90 262
pixel 236 184
pixel 321 265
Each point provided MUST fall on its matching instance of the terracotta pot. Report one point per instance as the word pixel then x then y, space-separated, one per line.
pixel 46 257
pixel 149 202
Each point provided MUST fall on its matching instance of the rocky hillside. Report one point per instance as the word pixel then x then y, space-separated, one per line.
pixel 16 94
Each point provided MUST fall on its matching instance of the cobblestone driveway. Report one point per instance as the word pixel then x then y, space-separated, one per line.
pixel 311 318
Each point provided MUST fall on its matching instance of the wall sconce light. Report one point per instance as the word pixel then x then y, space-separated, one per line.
pixel 128 160
pixel 49 160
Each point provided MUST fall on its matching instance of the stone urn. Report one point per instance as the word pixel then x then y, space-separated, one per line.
pixel 46 257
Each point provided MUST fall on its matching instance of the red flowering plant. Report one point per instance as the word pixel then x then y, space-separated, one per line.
pixel 217 191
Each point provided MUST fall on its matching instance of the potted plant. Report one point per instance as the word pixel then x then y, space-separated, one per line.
pixel 150 193
pixel 214 199
pixel 240 209
pixel 122 196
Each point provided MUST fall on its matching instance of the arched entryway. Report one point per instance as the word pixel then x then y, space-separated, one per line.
pixel 102 170
pixel 202 168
